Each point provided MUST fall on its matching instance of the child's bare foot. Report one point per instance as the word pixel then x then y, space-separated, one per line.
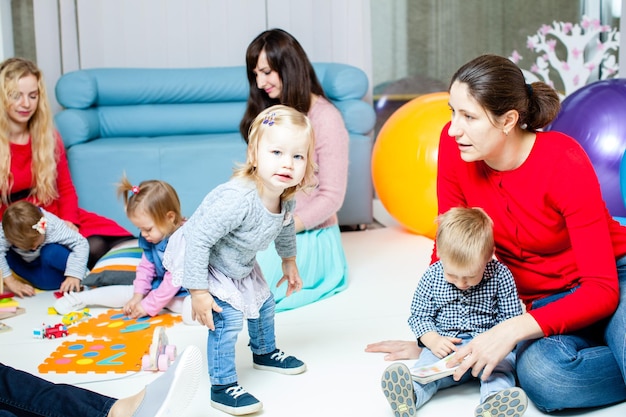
pixel 17 287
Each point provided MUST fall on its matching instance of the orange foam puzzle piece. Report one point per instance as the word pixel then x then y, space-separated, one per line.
pixel 116 343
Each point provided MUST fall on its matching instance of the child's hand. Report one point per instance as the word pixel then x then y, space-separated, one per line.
pixel 137 312
pixel 442 346
pixel 70 284
pixel 131 305
pixel 202 307
pixel 17 287
pixel 71 225
pixel 291 275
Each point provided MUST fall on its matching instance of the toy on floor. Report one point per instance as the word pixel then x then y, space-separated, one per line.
pixel 50 331
pixel 114 323
pixel 108 342
pixel 161 353
pixel 75 316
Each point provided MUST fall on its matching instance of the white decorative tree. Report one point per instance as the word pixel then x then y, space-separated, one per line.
pixel 586 54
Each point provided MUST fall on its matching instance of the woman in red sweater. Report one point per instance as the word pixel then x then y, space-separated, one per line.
pixel 34 166
pixel 552 229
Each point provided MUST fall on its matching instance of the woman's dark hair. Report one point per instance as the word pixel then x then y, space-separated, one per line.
pixel 286 56
pixel 498 85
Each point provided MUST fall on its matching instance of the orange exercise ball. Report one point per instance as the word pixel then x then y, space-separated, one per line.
pixel 404 162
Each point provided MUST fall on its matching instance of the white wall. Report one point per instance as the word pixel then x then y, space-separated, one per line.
pixel 80 34
pixel 6 30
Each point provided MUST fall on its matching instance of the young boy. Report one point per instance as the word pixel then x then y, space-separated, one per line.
pixel 463 294
pixel 42 249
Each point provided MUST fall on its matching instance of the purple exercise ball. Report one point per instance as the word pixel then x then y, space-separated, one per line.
pixel 595 115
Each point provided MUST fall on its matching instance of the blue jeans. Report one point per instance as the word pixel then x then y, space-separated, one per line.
pixel 502 377
pixel 47 272
pixel 583 369
pixel 221 341
pixel 25 395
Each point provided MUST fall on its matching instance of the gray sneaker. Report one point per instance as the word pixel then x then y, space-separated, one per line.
pixel 397 386
pixel 510 402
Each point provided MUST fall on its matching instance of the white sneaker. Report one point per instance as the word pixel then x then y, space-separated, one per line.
pixel 171 393
pixel 69 302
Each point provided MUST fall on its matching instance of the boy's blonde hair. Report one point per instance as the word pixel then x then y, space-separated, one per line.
pixel 18 223
pixel 277 117
pixel 156 198
pixel 41 130
pixel 465 237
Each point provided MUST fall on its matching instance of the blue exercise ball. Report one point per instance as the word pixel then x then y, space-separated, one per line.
pixel 595 115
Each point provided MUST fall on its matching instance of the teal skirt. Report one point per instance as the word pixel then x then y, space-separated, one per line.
pixel 321 263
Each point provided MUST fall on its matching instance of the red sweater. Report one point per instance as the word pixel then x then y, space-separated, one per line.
pixel 551 226
pixel 66 205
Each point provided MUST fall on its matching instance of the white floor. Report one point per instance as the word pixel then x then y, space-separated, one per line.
pixel 342 380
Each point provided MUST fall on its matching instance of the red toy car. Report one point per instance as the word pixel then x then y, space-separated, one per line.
pixel 50 331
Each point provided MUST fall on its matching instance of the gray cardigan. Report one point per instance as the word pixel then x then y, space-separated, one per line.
pixel 228 229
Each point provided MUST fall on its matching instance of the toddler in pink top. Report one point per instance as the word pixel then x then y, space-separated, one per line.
pixel 153 206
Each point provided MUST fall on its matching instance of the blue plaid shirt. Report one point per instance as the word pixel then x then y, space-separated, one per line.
pixel 441 307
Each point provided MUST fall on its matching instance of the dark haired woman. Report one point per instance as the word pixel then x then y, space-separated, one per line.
pixel 280 72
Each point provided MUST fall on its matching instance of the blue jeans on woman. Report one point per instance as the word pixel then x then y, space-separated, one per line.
pixel 25 395
pixel 47 272
pixel 502 377
pixel 582 369
pixel 221 341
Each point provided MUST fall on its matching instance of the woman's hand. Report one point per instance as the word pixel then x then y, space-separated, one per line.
pixel 488 349
pixel 202 307
pixel 396 350
pixel 19 288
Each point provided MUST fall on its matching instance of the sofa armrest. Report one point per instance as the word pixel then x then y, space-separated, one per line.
pixel 77 126
pixel 358 116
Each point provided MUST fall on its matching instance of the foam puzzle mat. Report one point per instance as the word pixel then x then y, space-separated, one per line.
pixel 114 343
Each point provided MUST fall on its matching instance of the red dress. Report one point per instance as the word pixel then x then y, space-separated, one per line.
pixel 66 205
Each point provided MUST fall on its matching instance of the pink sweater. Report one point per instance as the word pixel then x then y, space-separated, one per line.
pixel 318 209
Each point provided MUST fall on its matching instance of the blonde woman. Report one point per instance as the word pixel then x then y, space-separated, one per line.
pixel 34 166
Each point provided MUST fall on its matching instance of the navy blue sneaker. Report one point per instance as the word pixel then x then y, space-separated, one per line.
pixel 233 399
pixel 277 361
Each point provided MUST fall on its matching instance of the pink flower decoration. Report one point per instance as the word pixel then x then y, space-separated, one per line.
pixel 41 225
pixel 551 44
pixel 565 66
pixel 545 29
pixel 576 53
pixel 576 80
pixel 516 57
pixel 567 27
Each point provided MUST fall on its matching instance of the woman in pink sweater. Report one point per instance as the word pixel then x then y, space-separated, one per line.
pixel 552 229
pixel 280 72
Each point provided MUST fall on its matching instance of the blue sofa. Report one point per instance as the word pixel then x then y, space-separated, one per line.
pixel 181 125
